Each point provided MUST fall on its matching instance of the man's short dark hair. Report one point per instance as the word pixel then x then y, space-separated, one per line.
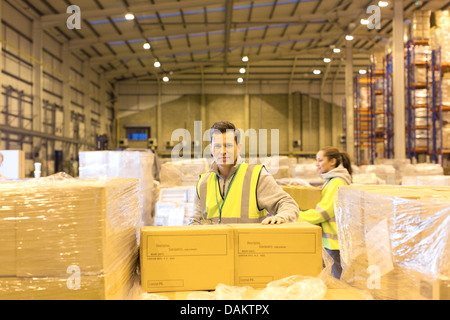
pixel 222 127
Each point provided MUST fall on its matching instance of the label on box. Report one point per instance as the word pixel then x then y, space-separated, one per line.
pixel 186 245
pixel 378 247
pixel 165 283
pixel 243 280
pixel 254 243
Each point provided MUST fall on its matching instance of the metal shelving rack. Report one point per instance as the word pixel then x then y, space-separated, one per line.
pixel 364 120
pixel 377 90
pixel 437 107
pixel 417 111
pixel 388 133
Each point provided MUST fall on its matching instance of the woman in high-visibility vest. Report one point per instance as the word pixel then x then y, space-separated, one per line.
pixel 335 167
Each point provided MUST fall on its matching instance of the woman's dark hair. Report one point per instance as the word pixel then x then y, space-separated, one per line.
pixel 222 127
pixel 341 157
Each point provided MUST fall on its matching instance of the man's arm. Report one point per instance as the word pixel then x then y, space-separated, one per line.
pixel 197 218
pixel 275 200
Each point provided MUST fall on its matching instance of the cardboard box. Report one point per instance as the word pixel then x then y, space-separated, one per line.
pixel 306 197
pixel 404 238
pixel 49 228
pixel 7 237
pixel 59 288
pixel 438 289
pixel 13 166
pixel 184 258
pixel 267 253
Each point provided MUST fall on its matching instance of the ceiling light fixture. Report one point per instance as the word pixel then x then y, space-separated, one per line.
pixel 336 50
pixel 129 16
pixel 147 46
pixel 157 64
pixel 362 71
pixel 166 79
pixel 242 70
pixel 364 21
pixel 326 60
pixel 349 37
pixel 240 80
pixel 316 71
pixel 383 4
pixel 244 58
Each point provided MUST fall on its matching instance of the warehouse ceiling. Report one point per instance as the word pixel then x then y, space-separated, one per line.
pixel 203 41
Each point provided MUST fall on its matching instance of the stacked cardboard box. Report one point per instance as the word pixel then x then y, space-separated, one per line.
pixel 176 206
pixel 182 172
pixel 394 240
pixel 382 171
pixel 68 238
pixel 183 258
pixel 124 164
pixel 278 166
pixel 13 165
pixel 420 26
pixel 306 197
pixel 443 181
pixel 308 172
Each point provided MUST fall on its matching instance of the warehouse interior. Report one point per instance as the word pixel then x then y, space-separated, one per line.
pixel 129 89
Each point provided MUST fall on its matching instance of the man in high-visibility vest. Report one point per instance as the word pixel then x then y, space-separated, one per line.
pixel 236 192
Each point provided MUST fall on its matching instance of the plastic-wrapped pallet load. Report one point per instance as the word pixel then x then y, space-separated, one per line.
pixel 182 172
pixel 420 26
pixel 440 34
pixel 307 172
pixel 278 166
pixel 394 240
pixel 175 206
pixel 66 238
pixel 382 171
pixel 124 164
pixel 442 181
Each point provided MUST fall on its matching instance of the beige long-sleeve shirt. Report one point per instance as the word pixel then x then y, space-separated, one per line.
pixel 269 196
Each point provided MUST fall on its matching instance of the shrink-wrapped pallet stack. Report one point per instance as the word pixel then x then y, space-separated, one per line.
pixel 175 205
pixel 278 166
pixel 420 25
pixel 384 173
pixel 66 238
pixel 394 240
pixel 440 42
pixel 182 172
pixel 124 164
pixel 440 34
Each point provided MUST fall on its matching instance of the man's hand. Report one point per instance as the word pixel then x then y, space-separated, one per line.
pixel 273 220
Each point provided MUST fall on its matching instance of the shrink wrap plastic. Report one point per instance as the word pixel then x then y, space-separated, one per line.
pixel 124 164
pixel 183 172
pixel 394 241
pixel 442 181
pixel 67 238
pixel 295 287
pixel 176 206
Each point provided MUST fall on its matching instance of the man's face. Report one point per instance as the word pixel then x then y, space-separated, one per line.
pixel 224 148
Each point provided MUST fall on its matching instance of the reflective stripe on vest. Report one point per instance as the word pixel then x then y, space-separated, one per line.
pixel 240 205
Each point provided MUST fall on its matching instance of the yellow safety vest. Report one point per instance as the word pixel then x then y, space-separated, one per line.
pixel 323 214
pixel 239 204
